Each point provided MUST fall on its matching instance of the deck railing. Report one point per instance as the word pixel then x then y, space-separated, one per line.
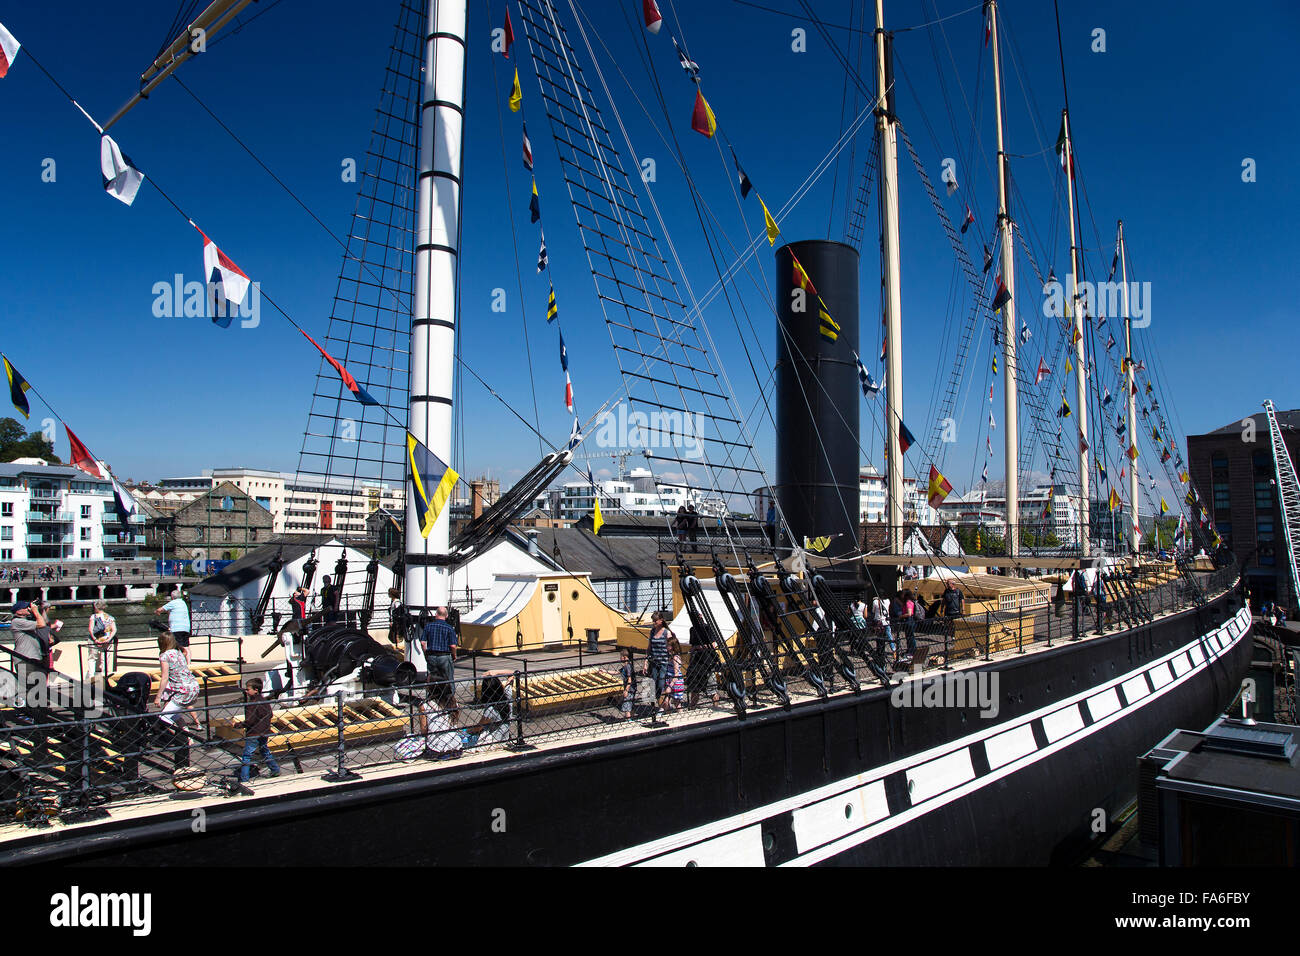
pixel 68 758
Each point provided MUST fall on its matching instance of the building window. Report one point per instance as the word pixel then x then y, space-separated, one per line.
pixel 85 534
pixel 7 533
pixel 252 534
pixel 198 534
pixel 6 509
pixel 85 554
pixel 85 511
pixel 225 534
pixel 6 554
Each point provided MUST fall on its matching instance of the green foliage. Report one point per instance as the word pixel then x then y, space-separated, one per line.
pixel 981 541
pixel 1161 535
pixel 15 443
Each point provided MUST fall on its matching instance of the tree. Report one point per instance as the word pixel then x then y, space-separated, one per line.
pixel 14 444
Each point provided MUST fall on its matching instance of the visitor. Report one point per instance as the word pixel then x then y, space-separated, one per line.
pixel 881 626
pixel 329 600
pixel 909 625
pixel 439 716
pixel 257 731
pixel 31 644
pixel 770 522
pixel 627 672
pixel 396 617
pixel 439 639
pixel 298 604
pixel 498 700
pixel 953 601
pixel 676 674
pixel 701 668
pixel 657 661
pixel 178 621
pixel 692 523
pixel 103 631
pixel 177 686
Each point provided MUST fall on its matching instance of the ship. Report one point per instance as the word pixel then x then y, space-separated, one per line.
pixel 1021 713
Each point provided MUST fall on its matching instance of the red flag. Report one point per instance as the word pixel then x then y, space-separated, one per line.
pixel 81 456
pixel 350 383
pixel 510 35
pixel 653 18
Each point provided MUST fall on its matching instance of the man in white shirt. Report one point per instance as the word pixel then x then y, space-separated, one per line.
pixel 178 621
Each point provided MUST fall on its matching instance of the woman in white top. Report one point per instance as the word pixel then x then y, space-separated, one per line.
pixel 438 719
pixel 103 630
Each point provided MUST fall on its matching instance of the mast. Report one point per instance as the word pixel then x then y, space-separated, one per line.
pixel 1010 406
pixel 1080 371
pixel 1131 399
pixel 885 126
pixel 437 267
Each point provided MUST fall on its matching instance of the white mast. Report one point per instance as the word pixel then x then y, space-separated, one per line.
pixel 1010 408
pixel 433 309
pixel 1131 399
pixel 1080 370
pixel 885 125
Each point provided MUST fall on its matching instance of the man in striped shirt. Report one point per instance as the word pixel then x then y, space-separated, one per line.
pixel 657 659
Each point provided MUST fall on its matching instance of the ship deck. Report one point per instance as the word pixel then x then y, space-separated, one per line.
pixel 572 700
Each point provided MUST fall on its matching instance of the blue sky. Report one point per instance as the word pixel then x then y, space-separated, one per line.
pixel 1162 120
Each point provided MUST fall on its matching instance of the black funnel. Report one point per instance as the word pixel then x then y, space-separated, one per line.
pixel 817 394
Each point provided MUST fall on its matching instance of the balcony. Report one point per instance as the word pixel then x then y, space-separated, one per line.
pixel 49 517
pixel 110 517
pixel 46 494
pixel 49 539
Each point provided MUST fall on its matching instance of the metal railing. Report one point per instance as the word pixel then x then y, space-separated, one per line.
pixel 76 760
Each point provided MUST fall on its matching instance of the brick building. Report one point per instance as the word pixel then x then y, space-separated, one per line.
pixel 220 525
pixel 1232 469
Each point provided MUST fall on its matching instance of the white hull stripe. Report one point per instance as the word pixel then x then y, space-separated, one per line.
pixel 836 817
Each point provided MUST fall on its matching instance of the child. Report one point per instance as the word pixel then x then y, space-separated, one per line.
pixel 628 673
pixel 257 730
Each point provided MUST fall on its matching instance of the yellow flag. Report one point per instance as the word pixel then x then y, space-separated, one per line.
pixel 1068 366
pixel 816 544
pixel 596 520
pixel 772 230
pixel 1114 500
pixel 516 95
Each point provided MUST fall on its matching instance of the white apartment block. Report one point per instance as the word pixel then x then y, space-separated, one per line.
pixel 59 513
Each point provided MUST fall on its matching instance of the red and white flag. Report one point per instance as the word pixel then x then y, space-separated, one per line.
pixel 653 18
pixel 1043 372
pixel 8 50
pixel 509 32
pixel 227 283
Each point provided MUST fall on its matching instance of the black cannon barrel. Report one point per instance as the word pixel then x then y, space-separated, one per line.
pixel 337 649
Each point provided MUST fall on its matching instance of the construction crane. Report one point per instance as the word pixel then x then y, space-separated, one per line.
pixel 1288 490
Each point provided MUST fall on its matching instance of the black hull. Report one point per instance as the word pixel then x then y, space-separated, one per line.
pixel 778 787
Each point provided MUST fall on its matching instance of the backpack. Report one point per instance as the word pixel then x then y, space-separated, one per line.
pixel 918 610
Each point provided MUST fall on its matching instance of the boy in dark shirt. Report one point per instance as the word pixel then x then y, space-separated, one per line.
pixel 257 730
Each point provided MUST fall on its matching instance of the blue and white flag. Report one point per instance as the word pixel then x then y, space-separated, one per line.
pixel 869 388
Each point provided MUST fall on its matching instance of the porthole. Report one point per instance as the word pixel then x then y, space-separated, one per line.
pixel 848 811
pixel 574 596
pixel 690 864
pixel 551 597
pixel 769 841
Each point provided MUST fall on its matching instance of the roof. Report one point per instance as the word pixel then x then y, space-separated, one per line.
pixel 623 557
pixel 1285 420
pixel 257 563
